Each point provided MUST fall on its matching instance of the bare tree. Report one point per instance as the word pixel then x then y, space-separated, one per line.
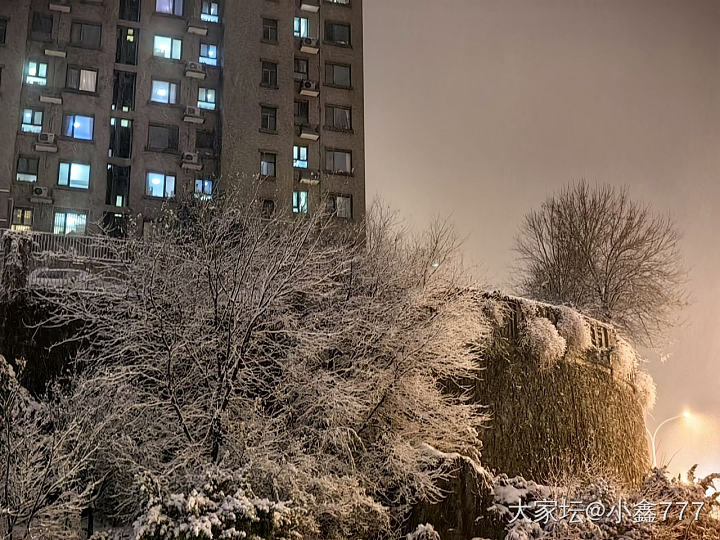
pixel 594 248
pixel 314 357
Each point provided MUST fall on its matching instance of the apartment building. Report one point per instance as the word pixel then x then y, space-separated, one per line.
pixel 112 108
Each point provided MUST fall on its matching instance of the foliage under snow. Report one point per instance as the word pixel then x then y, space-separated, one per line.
pixel 573 327
pixel 542 339
pixel 424 532
pixel 646 389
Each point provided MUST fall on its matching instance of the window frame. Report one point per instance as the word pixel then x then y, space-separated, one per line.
pixel 165 184
pixel 298 161
pixel 80 70
pixel 209 60
pixel 264 153
pixel 33 119
pixel 173 10
pixel 70 165
pixel 304 75
pixel 171 129
pixel 28 159
pixel 306 104
pixel 20 225
pixel 208 16
pixel 330 118
pixel 331 39
pixel 270 67
pixel 76 213
pixel 74 115
pixel 269 112
pixel 170 84
pixel 173 41
pixel 81 44
pixel 335 170
pixel 36 35
pixel 298 28
pixel 203 194
pixel 333 82
pixel 300 207
pixel 200 102
pixel 3 30
pixel 334 205
pixel 270 30
pixel 38 65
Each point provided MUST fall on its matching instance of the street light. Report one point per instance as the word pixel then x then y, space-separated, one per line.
pixel 653 435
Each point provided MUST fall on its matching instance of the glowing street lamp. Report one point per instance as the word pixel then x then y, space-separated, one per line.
pixel 653 436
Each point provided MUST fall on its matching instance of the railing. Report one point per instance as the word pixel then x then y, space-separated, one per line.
pixel 70 247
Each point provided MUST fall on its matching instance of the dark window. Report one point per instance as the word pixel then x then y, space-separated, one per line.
pixel 130 10
pixel 85 35
pixel 338 117
pixel 82 79
pixel 27 169
pixel 301 69
pixel 340 206
pixel 268 118
pixel 337 33
pixel 123 91
pixel 118 185
pixel 3 29
pixel 269 74
pixel 302 112
pixel 270 30
pixel 338 75
pixel 338 161
pixel 267 163
pixel 205 141
pixel 268 208
pixel 162 138
pixel 41 26
pixel 115 225
pixel 127 45
pixel 121 130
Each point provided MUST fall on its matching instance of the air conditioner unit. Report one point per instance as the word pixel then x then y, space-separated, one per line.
pixel 59 5
pixel 192 111
pixel 41 192
pixel 309 88
pixel 190 157
pixel 46 138
pixel 309 45
pixel 195 70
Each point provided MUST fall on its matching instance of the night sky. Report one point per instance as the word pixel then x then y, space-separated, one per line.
pixel 479 109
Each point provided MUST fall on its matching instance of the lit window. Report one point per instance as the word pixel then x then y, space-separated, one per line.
pixel 267 163
pixel 27 169
pixel 209 11
pixel 160 185
pixel 21 219
pixel 300 159
pixel 341 206
pixel 36 73
pixel 166 47
pixel 301 27
pixel 78 127
pixel 300 202
pixel 84 80
pixel 206 98
pixel 203 189
pixel 32 121
pixel 208 54
pixel 74 175
pixel 69 223
pixel 172 7
pixel 338 161
pixel 164 92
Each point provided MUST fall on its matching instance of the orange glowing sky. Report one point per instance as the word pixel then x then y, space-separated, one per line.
pixel 478 109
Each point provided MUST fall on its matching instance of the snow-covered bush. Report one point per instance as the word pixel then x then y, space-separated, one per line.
pixel 545 344
pixel 424 532
pixel 645 386
pixel 574 329
pixel 625 360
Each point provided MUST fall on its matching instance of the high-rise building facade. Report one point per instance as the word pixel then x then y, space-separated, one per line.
pixel 112 107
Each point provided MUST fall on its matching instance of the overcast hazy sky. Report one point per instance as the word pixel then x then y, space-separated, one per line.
pixel 479 109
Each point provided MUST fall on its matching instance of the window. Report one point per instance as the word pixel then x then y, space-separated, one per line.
pixel 162 138
pixel 121 130
pixel 301 27
pixel 270 30
pixel 127 45
pixel 171 7
pixel 74 175
pixel 69 223
pixel 208 54
pixel 123 91
pixel 115 224
pixel 203 189
pixel 302 112
pixel 206 98
pixel 341 206
pixel 269 74
pixel 32 121
pixel 166 47
pixel 337 33
pixel 343 2
pixel 85 35
pixel 300 202
pixel 267 209
pixel 300 157
pixel 205 141
pixel 41 26
pixel 338 161
pixel 3 29
pixel 82 79
pixel 160 185
pixel 267 163
pixel 268 118
pixel 337 75
pixel 130 10
pixel 209 11
pixel 164 92
pixel 337 117
pixel 117 192
pixel 301 69
pixel 27 169
pixel 36 73
pixel 21 219
pixel 78 127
